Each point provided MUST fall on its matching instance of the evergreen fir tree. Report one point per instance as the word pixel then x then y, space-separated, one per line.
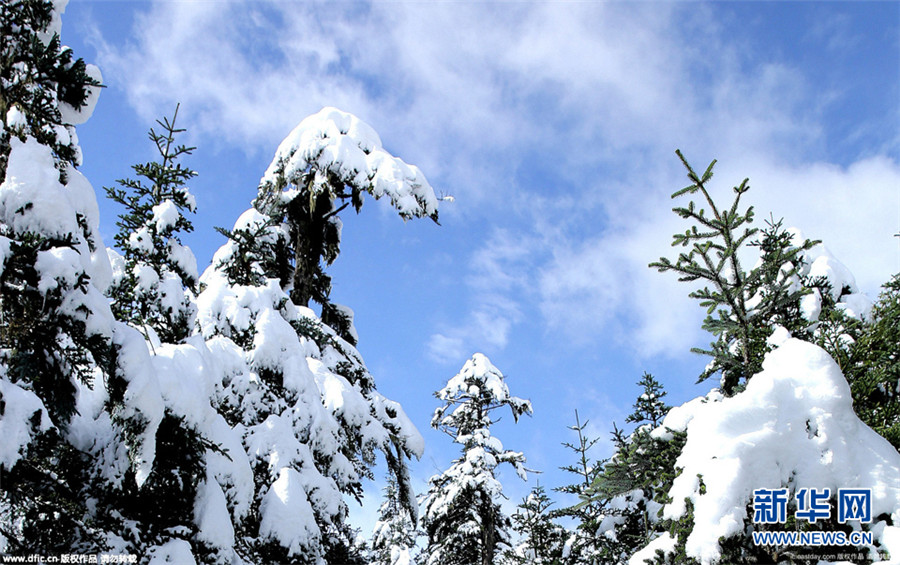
pixel 584 546
pixel 542 540
pixel 746 303
pixel 152 290
pixel 156 275
pixel 80 404
pixel 46 346
pixel 394 537
pixel 463 519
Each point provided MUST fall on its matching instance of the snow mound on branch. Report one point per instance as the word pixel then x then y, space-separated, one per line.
pixel 820 263
pixel 790 426
pixel 32 200
pixel 335 142
pixel 24 416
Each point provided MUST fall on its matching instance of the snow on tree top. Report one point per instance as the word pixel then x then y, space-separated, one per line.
pixel 332 141
pixel 477 374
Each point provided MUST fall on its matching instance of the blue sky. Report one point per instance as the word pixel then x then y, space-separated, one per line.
pixel 554 126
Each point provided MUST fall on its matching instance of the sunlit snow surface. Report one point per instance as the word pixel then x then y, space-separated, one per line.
pixel 793 426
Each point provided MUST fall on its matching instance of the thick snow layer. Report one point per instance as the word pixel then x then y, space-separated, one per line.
pixel 23 417
pixel 183 382
pixel 340 143
pixel 165 215
pixel 173 551
pixel 287 516
pixel 143 398
pixel 793 426
pixel 32 199
pixel 211 514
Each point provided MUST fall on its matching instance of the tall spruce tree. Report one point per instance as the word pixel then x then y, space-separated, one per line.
pixel 152 291
pixel 463 519
pixel 311 418
pixel 47 239
pixel 80 404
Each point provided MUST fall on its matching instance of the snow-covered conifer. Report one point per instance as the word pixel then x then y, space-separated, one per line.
pixel 155 275
pixel 327 163
pixel 783 431
pixel 294 385
pixel 794 285
pixel 542 541
pixel 81 402
pixel 394 537
pixel 463 519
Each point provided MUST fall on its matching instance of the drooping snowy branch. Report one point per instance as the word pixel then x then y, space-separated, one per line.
pixel 332 145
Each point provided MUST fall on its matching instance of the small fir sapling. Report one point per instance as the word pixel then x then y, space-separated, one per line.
pixel 395 533
pixel 542 541
pixel 583 545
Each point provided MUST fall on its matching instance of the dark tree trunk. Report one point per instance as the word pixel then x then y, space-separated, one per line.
pixel 488 531
pixel 308 219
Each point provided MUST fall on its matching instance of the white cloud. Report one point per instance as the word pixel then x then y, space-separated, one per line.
pixel 481 95
pixel 446 349
pixel 499 279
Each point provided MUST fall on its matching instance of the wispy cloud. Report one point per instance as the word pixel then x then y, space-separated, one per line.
pixel 553 124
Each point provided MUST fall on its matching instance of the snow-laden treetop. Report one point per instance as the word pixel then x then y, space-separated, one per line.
pixel 477 374
pixel 480 381
pixel 332 142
